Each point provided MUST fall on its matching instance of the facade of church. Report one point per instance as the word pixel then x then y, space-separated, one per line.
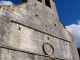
pixel 32 31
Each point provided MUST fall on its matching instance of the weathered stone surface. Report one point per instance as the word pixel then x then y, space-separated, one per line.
pixel 44 19
pixel 73 49
pixel 6 54
pixel 21 38
pixel 25 28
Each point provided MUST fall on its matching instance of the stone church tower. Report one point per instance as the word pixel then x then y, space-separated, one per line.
pixel 32 31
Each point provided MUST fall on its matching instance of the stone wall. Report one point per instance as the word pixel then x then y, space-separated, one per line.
pixel 32 31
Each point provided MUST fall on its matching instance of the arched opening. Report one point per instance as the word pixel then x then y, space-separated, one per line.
pixel 47 2
pixel 24 1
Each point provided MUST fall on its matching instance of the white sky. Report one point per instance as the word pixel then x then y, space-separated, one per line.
pixel 74 29
pixel 6 3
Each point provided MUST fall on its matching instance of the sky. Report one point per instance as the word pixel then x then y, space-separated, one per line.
pixel 68 12
pixel 69 15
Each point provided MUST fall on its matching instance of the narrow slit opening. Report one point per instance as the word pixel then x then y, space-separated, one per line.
pixel 19 28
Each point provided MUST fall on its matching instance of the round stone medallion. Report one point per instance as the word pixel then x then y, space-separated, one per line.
pixel 48 49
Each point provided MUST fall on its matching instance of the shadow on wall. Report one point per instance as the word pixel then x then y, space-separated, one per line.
pixel 78 51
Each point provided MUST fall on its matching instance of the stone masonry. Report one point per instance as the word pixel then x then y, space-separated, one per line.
pixel 32 31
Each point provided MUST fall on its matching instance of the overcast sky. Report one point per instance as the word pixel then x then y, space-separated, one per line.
pixel 69 15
